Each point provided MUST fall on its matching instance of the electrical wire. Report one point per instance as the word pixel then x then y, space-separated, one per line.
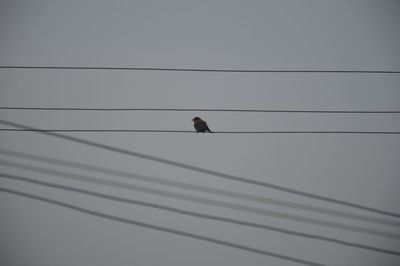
pixel 204 170
pixel 204 201
pixel 193 187
pixel 201 110
pixel 191 131
pixel 198 215
pixel 202 69
pixel 158 228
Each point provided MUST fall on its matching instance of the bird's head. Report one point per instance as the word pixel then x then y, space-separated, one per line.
pixel 196 118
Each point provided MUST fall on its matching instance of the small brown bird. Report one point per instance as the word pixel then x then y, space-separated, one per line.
pixel 200 125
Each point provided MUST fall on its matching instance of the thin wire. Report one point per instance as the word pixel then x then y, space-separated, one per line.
pixel 201 110
pixel 158 228
pixel 199 215
pixel 204 201
pixel 191 131
pixel 203 170
pixel 193 187
pixel 201 69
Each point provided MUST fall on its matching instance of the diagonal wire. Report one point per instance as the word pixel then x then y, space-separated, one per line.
pixel 209 190
pixel 199 215
pixel 204 201
pixel 204 170
pixel 355 71
pixel 158 228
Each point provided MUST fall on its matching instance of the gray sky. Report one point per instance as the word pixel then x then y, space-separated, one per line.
pixel 342 35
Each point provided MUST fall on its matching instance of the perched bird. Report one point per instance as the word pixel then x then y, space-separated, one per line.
pixel 200 125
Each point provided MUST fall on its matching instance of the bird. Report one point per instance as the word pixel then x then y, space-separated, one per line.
pixel 200 125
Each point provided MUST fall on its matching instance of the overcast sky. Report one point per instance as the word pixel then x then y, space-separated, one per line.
pixel 270 34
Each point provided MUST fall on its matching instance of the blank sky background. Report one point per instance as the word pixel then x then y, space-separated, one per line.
pixel 320 35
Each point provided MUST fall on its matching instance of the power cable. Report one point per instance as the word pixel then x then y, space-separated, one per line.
pixel 158 228
pixel 201 110
pixel 198 215
pixel 203 170
pixel 191 131
pixel 355 71
pixel 193 187
pixel 204 201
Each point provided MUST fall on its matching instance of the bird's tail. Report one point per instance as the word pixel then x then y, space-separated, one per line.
pixel 209 130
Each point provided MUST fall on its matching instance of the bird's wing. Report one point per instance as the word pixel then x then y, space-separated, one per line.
pixel 202 123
